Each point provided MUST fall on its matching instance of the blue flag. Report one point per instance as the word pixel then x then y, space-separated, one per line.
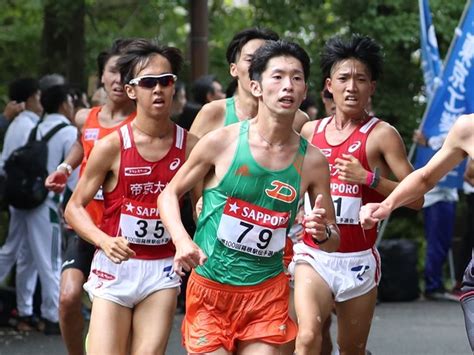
pixel 453 97
pixel 430 60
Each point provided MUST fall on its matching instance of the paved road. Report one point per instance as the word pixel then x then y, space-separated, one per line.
pixel 412 328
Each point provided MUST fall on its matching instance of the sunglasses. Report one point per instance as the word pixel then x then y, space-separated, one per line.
pixel 150 81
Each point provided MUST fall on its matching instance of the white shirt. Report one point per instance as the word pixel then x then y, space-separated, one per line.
pixel 60 144
pixel 17 133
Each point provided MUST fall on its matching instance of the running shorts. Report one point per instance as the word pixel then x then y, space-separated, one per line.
pixel 349 275
pixel 131 281
pixel 218 315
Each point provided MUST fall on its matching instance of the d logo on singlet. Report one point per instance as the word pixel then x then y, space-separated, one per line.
pixel 281 191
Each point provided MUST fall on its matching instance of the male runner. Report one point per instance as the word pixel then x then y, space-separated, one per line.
pixel 93 124
pixel 458 144
pixel 361 151
pixel 243 105
pixel 132 284
pixel 253 173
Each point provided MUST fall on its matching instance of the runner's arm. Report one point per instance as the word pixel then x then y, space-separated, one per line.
pixel 316 170
pixel 420 181
pixel 102 163
pixel 195 169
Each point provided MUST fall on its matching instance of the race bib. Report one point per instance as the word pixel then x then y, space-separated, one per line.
pixel 91 134
pixel 140 223
pixel 347 209
pixel 252 229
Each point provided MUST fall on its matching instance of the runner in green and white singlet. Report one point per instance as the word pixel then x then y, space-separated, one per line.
pixel 249 212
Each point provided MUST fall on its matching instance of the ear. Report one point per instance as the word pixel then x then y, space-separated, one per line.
pixel 130 90
pixel 256 88
pixel 233 70
pixel 329 84
pixel 373 85
pixel 305 92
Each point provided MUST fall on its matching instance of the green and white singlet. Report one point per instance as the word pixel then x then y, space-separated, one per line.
pixel 245 219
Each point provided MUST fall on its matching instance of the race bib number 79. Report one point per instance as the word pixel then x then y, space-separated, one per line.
pixel 252 229
pixel 140 223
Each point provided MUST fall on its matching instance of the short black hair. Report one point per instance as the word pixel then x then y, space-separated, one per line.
pixel 53 97
pixel 139 52
pixel 280 48
pixel 241 38
pixel 359 47
pixel 117 48
pixel 203 86
pixel 21 89
pixel 307 102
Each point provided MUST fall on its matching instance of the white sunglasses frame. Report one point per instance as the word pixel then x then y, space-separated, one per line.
pixel 136 80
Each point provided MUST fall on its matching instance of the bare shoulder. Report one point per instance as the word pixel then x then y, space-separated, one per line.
pixel 464 126
pixel 191 141
pixel 81 117
pixel 308 129
pixel 384 135
pixel 315 160
pixel 108 146
pixel 210 117
pixel 301 118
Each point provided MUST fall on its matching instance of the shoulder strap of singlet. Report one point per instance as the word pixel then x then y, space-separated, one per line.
pixel 93 117
pixel 369 125
pixel 230 116
pixel 180 137
pixel 126 137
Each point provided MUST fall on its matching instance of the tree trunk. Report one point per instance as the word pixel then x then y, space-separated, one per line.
pixel 63 41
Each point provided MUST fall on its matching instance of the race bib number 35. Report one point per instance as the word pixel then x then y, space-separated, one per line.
pixel 140 223
pixel 252 229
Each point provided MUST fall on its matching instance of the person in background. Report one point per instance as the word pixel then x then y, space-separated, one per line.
pixel 309 106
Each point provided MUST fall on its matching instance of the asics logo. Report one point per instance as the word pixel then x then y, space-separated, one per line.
pixel 353 147
pixel 175 164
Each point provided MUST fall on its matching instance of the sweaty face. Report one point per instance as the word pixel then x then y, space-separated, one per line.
pixel 155 101
pixel 111 80
pixel 351 85
pixel 282 87
pixel 240 69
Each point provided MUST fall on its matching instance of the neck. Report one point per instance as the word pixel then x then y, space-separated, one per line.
pixel 119 110
pixel 246 105
pixel 153 128
pixel 342 120
pixel 274 130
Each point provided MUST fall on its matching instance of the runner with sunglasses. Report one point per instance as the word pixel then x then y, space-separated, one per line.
pixel 93 123
pixel 253 172
pixel 132 283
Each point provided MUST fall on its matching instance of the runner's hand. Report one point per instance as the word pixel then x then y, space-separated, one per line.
pixel 350 169
pixel 117 249
pixel 315 221
pixel 188 256
pixel 56 181
pixel 371 213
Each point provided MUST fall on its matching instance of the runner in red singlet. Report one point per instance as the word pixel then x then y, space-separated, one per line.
pixel 132 282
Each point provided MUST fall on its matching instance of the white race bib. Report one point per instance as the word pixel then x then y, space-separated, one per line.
pixel 252 229
pixel 347 209
pixel 140 223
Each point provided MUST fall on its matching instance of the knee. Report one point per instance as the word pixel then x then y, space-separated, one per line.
pixel 308 338
pixel 69 299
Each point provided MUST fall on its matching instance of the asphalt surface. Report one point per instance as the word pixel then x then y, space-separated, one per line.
pixel 409 328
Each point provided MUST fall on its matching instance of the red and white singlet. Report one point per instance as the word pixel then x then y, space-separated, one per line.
pixel 348 197
pixel 130 209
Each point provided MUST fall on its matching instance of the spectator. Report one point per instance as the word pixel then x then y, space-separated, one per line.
pixel 25 91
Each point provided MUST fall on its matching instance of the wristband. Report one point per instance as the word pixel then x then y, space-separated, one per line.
pixel 376 178
pixel 369 178
pixel 328 236
pixel 65 166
